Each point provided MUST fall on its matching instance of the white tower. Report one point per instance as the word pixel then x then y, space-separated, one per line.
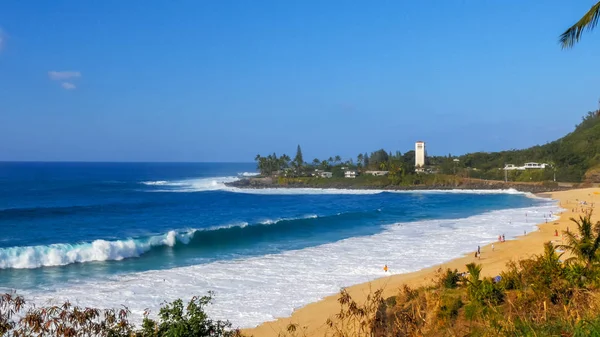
pixel 419 154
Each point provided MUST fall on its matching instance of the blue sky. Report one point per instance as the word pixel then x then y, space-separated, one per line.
pixel 225 80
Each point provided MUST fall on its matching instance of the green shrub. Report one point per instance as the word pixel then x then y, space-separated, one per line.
pixel 490 293
pixel 449 307
pixel 450 279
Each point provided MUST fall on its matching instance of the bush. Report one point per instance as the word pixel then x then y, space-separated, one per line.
pixel 490 293
pixel 72 321
pixel 450 279
pixel 449 307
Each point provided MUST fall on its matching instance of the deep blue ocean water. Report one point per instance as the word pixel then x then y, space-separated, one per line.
pixel 72 223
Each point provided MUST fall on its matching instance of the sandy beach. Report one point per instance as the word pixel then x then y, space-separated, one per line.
pixel 311 318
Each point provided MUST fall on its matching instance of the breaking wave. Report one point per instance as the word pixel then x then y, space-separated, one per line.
pixel 60 254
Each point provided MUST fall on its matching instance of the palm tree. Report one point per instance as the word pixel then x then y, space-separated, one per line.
pixel 474 280
pixel 586 245
pixel 324 165
pixel 285 160
pixel 587 22
pixel 337 159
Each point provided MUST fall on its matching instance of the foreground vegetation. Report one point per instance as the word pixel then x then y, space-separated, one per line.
pixel 539 296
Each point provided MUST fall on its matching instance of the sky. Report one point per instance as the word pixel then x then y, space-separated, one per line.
pixel 225 80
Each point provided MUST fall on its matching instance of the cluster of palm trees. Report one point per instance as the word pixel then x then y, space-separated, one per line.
pixel 327 164
pixel 270 164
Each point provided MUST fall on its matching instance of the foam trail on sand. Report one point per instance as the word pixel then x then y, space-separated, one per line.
pixel 274 285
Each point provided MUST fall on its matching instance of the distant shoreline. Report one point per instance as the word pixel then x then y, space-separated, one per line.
pixel 349 184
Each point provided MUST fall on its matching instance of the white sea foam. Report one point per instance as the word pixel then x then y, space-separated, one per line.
pixel 293 191
pixel 99 250
pixel 248 174
pixel 218 183
pixel 192 185
pixel 258 289
pixel 271 222
pixel 61 254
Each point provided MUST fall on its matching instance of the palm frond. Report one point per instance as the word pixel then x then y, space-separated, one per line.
pixel 587 22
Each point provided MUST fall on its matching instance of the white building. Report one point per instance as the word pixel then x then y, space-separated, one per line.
pixel 419 154
pixel 322 174
pixel 535 166
pixel 527 166
pixel 377 173
pixel 350 174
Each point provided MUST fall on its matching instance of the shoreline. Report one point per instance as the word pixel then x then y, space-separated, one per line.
pixel 350 184
pixel 311 318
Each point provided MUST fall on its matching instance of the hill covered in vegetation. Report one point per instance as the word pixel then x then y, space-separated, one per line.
pixel 574 157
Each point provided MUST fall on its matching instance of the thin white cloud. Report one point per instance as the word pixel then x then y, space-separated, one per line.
pixel 68 86
pixel 63 75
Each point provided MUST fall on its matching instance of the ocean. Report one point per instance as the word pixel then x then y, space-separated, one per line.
pixel 140 234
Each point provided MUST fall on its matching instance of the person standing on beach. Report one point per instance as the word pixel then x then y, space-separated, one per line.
pixel 503 238
pixel 492 247
pixel 478 250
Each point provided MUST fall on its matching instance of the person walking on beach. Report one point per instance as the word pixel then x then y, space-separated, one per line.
pixel 385 268
pixel 503 238
pixel 492 247
pixel 478 250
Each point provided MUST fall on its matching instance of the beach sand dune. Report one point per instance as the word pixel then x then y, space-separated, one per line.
pixel 311 318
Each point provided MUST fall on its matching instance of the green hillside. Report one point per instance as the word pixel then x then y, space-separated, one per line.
pixel 575 157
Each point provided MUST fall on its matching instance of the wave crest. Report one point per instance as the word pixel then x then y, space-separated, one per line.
pixel 99 250
pixel 61 254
